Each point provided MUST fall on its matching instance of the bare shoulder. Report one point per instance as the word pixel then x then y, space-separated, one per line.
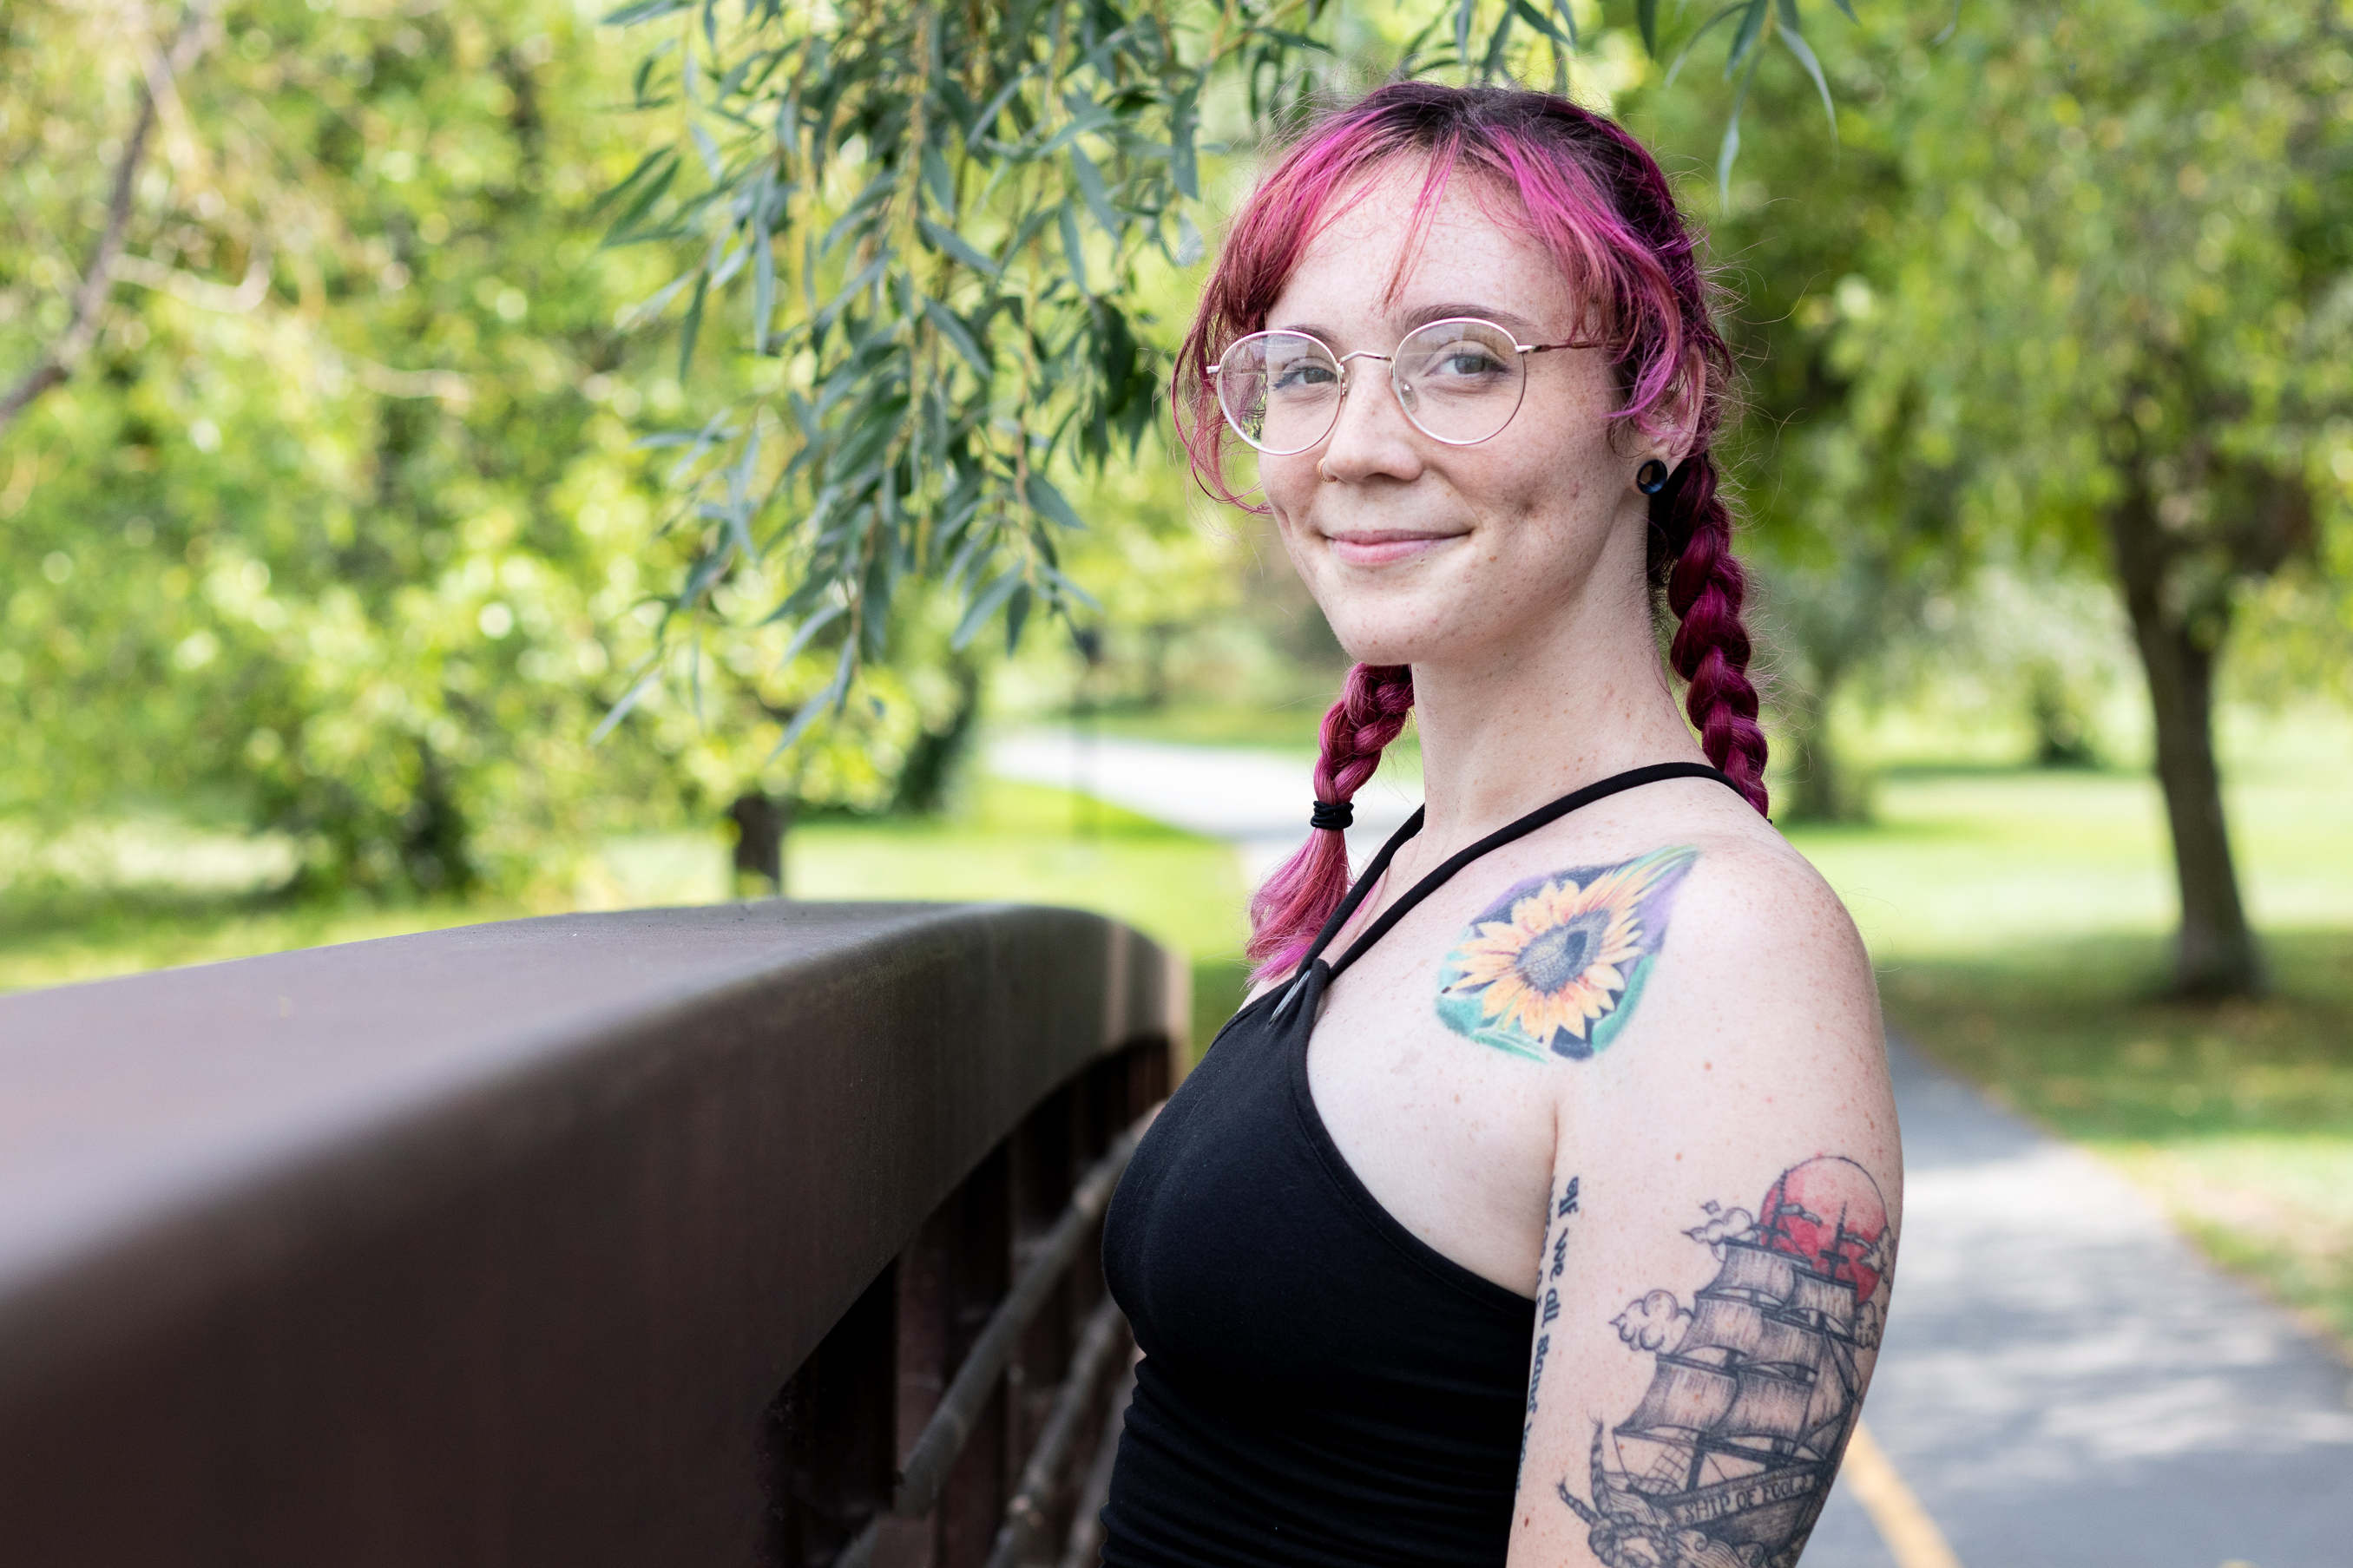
pixel 1770 936
pixel 1680 923
pixel 1761 1019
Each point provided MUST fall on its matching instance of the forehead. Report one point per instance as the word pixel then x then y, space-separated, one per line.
pixel 1374 264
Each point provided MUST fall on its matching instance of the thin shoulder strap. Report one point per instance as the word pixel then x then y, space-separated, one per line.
pixel 1632 778
pixel 1372 874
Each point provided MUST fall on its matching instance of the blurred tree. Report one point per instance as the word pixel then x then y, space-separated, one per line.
pixel 2117 287
pixel 1851 526
pixel 320 504
pixel 327 521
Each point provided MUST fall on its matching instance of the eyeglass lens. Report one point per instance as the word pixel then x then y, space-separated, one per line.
pixel 1458 382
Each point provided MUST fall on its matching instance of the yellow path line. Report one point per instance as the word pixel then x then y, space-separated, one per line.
pixel 1912 1537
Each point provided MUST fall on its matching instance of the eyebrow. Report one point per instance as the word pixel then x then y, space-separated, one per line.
pixel 1519 326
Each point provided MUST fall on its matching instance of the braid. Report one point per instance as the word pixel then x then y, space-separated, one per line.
pixel 1292 904
pixel 1691 555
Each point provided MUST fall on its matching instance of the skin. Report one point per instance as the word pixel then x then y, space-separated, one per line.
pixel 1510 576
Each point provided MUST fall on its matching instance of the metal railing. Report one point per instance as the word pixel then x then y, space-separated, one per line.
pixel 763 1234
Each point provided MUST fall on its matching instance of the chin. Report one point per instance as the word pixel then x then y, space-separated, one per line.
pixel 1388 634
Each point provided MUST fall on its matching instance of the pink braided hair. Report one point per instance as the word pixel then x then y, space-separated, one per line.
pixel 1600 204
pixel 1375 702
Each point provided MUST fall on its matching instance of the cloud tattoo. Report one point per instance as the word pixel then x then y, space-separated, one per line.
pixel 1653 1322
pixel 1723 1224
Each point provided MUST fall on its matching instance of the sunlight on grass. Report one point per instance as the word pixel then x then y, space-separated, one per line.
pixel 1980 860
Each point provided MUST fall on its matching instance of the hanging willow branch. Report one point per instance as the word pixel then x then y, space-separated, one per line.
pixel 924 223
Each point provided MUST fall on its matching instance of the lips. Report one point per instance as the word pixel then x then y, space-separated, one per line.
pixel 1385 546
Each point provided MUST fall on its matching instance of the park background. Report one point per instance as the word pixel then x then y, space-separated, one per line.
pixel 352 581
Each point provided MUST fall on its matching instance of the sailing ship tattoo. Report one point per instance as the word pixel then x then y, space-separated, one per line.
pixel 1727 1461
pixel 1554 966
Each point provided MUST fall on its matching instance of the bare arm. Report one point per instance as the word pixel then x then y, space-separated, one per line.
pixel 1722 1222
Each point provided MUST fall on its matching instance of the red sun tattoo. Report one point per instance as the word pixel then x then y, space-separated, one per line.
pixel 1828 1213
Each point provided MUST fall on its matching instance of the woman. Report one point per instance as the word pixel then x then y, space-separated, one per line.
pixel 1539 1205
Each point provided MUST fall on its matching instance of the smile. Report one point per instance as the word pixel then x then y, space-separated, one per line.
pixel 1385 546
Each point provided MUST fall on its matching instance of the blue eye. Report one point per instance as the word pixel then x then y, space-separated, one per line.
pixel 1305 375
pixel 1468 361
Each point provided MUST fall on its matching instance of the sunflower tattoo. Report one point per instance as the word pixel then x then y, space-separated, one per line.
pixel 1554 966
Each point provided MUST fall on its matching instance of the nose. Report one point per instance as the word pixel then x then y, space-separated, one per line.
pixel 1371 438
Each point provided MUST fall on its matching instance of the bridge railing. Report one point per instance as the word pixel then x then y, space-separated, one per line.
pixel 758 1234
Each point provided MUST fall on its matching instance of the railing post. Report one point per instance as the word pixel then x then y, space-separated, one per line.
pixel 831 1442
pixel 950 1279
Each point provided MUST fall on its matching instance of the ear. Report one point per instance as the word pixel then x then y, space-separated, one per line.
pixel 1684 407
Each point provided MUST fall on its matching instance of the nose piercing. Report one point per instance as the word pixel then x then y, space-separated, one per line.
pixel 1651 477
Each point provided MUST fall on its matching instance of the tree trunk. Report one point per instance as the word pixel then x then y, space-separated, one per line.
pixel 1822 789
pixel 760 822
pixel 2215 954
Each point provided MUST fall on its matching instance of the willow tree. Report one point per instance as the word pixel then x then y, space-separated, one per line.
pixel 917 244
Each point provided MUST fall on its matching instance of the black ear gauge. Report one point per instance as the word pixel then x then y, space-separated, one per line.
pixel 1651 477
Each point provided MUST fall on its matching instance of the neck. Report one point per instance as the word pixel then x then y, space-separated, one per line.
pixel 1506 731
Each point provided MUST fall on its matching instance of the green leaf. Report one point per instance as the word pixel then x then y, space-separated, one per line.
pixel 987 605
pixel 1090 186
pixel 651 191
pixel 1730 150
pixel 1804 51
pixel 645 11
pixel 1646 16
pixel 960 339
pixel 1072 248
pixel 1017 612
pixel 1541 23
pixel 1038 491
pixel 836 692
pixel 629 700
pixel 941 182
pixel 808 630
pixel 952 243
pixel 693 325
pixel 763 273
pixel 1184 122
pixel 1745 40
pixel 703 145
pixel 1692 42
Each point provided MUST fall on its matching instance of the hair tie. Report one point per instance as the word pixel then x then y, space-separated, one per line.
pixel 1336 815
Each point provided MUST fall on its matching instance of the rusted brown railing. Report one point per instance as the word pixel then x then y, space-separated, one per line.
pixel 759 1233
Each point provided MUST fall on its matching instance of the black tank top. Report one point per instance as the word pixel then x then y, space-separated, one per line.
pixel 1319 1386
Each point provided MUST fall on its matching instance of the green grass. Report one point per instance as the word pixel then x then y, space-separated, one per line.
pixel 1290 728
pixel 2238 1117
pixel 1015 841
pixel 58 935
pixel 1034 844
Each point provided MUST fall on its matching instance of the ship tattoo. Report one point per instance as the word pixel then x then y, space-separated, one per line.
pixel 1727 1461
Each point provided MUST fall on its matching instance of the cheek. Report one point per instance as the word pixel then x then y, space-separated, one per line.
pixel 1289 485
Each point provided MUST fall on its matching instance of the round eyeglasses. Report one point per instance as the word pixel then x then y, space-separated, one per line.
pixel 1460 381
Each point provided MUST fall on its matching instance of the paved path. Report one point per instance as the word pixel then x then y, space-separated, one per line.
pixel 2065 1383
pixel 1260 800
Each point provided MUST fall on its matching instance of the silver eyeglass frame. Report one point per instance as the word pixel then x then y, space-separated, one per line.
pixel 1341 360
